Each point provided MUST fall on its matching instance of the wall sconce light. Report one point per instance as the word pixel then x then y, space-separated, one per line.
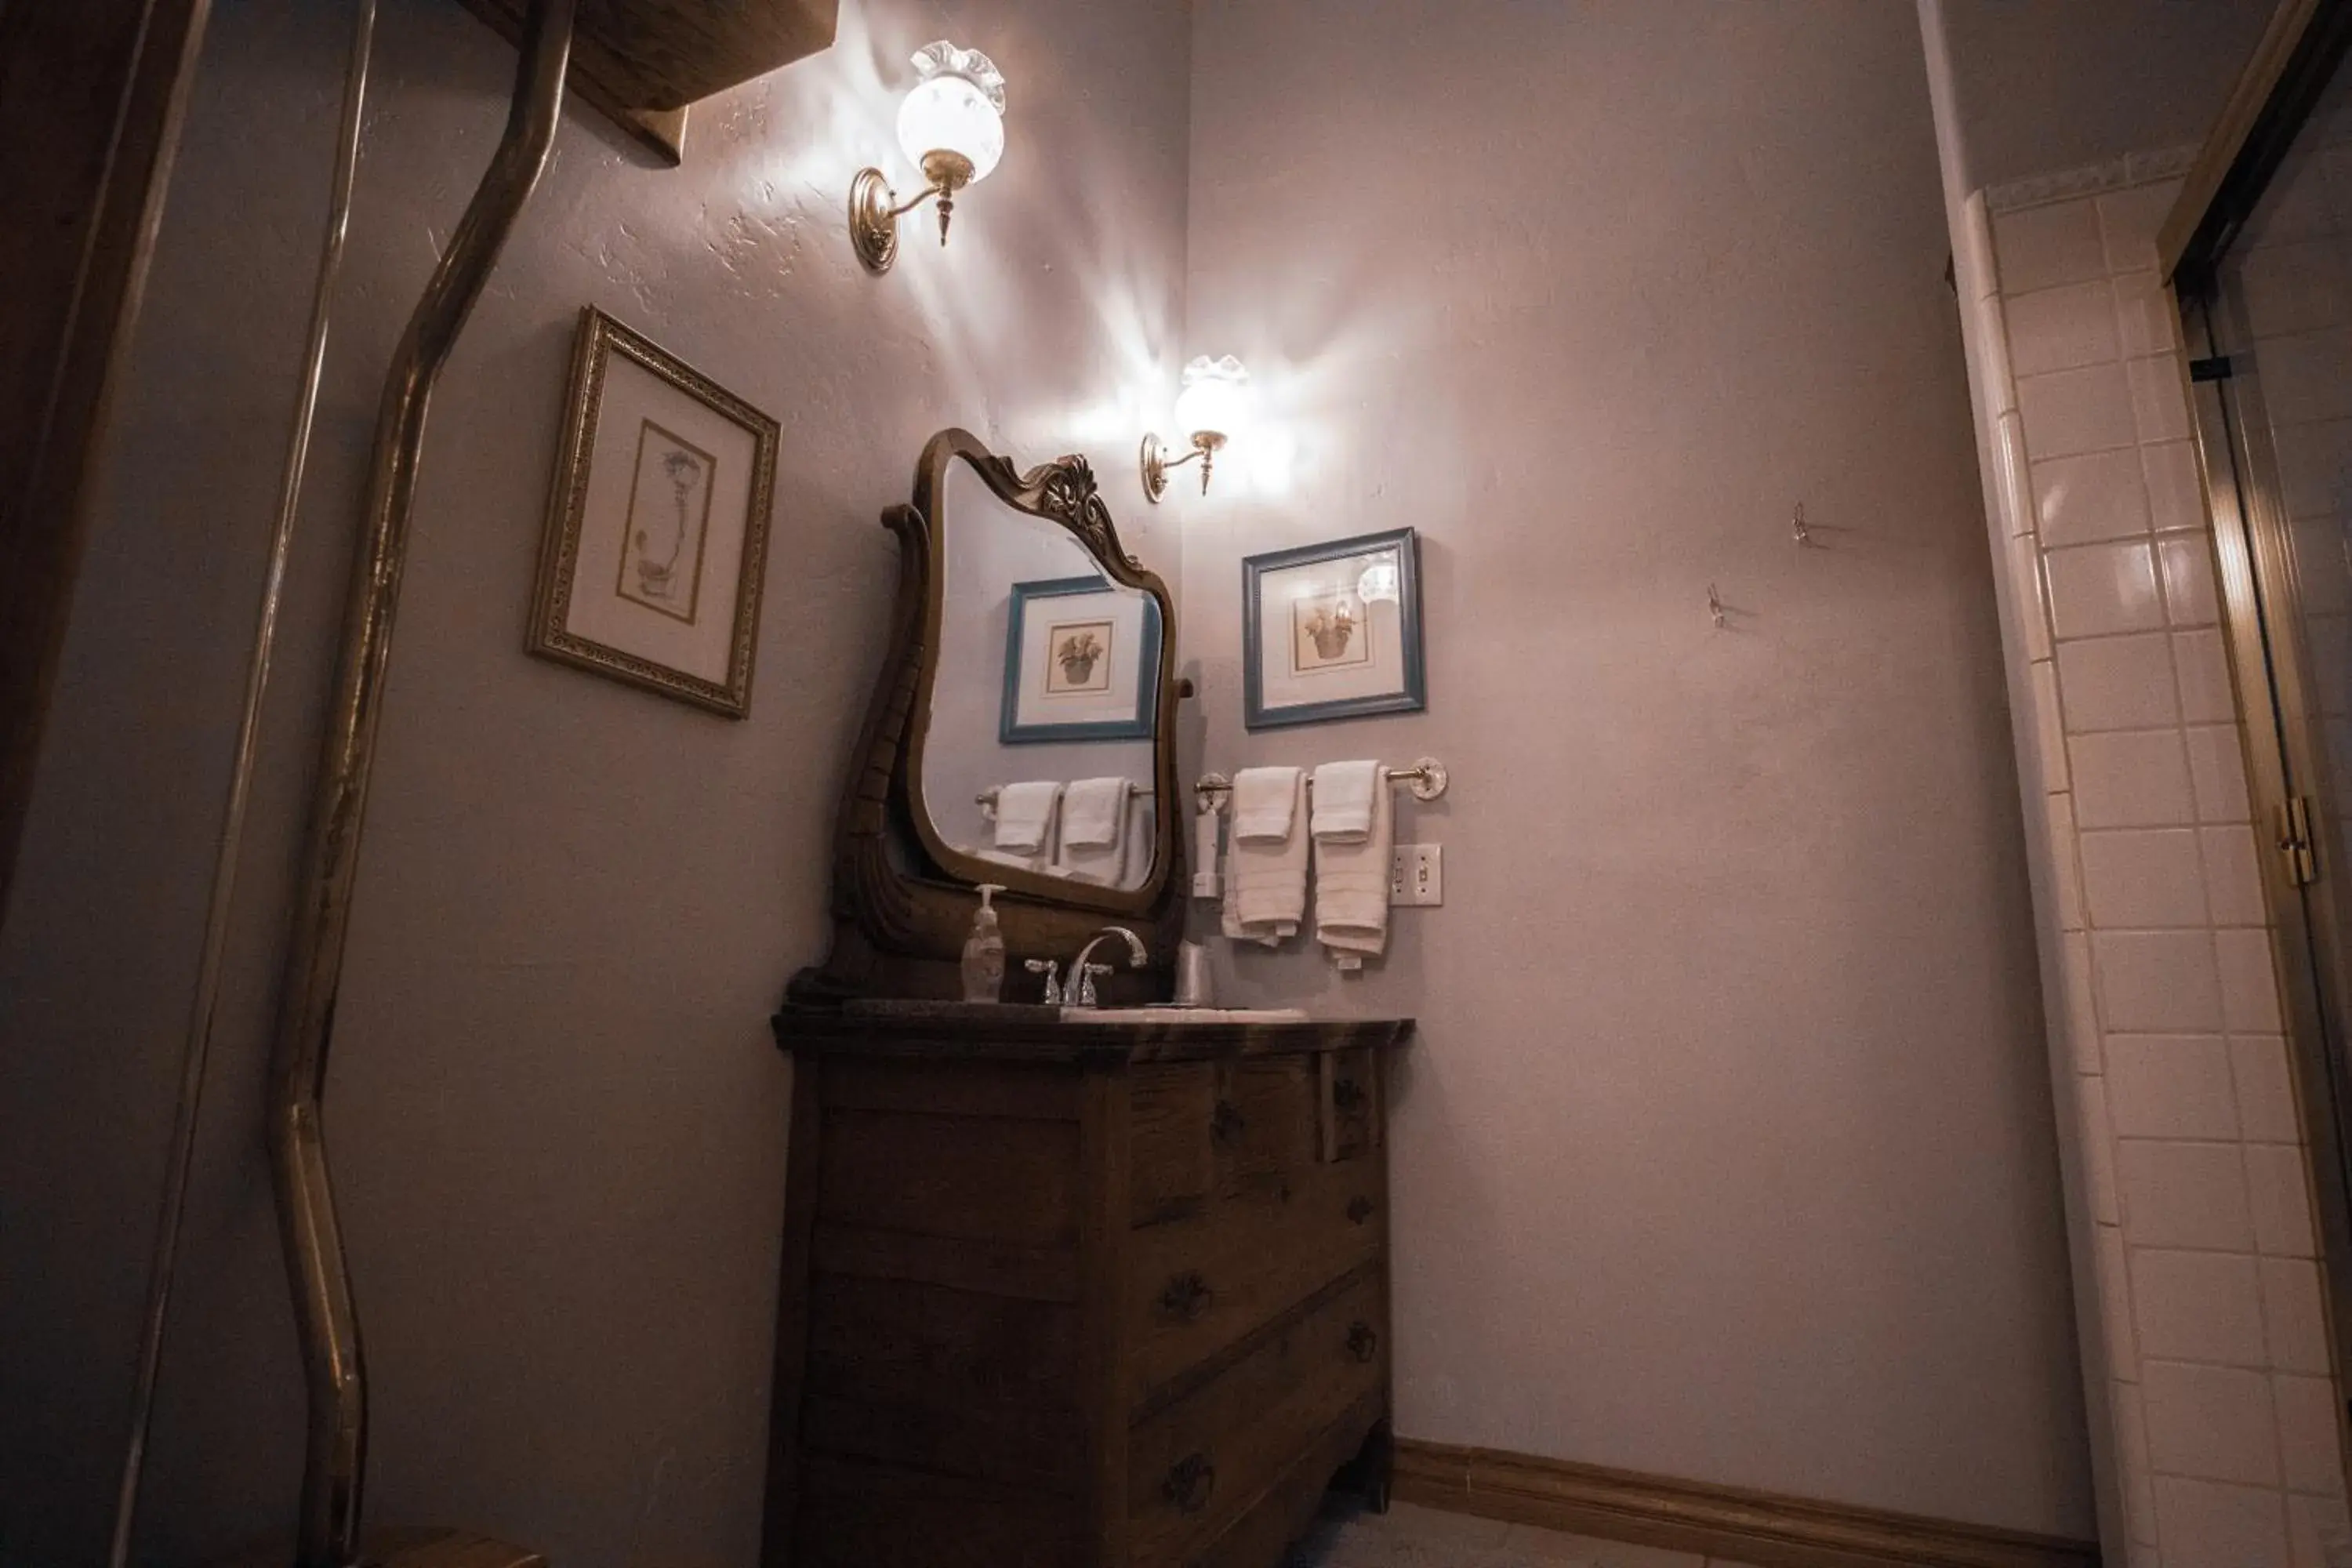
pixel 951 126
pixel 1211 410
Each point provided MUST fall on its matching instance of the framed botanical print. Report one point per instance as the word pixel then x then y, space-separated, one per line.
pixel 657 528
pixel 1080 658
pixel 1332 631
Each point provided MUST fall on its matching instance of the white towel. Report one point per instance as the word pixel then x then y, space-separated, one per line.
pixel 1351 884
pixel 1094 831
pixel 1266 879
pixel 1265 804
pixel 1343 801
pixel 1024 817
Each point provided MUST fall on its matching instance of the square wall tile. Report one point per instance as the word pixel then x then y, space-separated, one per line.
pixel 2077 1006
pixel 2215 1423
pixel 2062 328
pixel 2184 1194
pixel 2233 879
pixel 2210 1524
pixel 2198 1306
pixel 2319 1532
pixel 2068 412
pixel 2146 321
pixel 2131 1447
pixel 2217 766
pixel 2279 1195
pixel 2304 377
pixel 2159 398
pixel 2312 480
pixel 2250 1000
pixel 2039 246
pixel 2170 1086
pixel 2131 778
pixel 2128 222
pixel 2143 877
pixel 2310 1453
pixel 2265 1089
pixel 2099 590
pixel 2115 1318
pixel 2203 668
pixel 2188 596
pixel 2294 1322
pixel 2095 497
pixel 2098 1150
pixel 2117 683
pixel 2049 725
pixel 2176 494
pixel 2030 605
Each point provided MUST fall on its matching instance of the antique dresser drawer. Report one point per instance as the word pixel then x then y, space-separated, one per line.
pixel 1203 1462
pixel 1205 1129
pixel 1195 1286
pixel 1350 1104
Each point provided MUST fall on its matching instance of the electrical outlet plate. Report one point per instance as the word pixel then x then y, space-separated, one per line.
pixel 1417 876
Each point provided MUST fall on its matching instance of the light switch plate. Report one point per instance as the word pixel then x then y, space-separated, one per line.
pixel 1417 874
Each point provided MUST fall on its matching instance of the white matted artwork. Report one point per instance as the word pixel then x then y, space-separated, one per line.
pixel 1332 631
pixel 656 532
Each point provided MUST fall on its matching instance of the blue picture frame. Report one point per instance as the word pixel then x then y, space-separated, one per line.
pixel 1141 726
pixel 1411 692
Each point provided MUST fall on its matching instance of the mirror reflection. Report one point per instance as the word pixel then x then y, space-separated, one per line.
pixel 1037 752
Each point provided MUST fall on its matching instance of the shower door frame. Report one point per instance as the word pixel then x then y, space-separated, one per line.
pixel 2258 577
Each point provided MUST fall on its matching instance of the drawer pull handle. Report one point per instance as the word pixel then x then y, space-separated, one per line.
pixel 1226 1123
pixel 1191 1480
pixel 1363 1344
pixel 1348 1095
pixel 1186 1297
pixel 1359 1209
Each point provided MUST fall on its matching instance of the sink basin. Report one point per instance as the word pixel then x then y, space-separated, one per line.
pixel 1183 1015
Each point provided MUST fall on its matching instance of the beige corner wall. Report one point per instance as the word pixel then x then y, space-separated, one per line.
pixel 1726 1151
pixel 558 1120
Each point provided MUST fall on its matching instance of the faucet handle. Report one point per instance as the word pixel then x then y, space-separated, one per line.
pixel 1044 966
pixel 1087 976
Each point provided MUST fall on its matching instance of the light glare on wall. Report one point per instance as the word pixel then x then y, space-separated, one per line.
pixel 951 127
pixel 1211 411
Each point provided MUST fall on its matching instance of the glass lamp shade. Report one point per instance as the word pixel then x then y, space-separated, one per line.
pixel 1216 399
pixel 958 106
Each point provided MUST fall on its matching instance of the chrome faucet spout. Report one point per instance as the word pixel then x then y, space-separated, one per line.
pixel 1080 990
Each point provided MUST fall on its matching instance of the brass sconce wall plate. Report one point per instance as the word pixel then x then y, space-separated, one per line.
pixel 1157 463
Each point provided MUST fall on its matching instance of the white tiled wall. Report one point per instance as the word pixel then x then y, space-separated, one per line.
pixel 2186 1138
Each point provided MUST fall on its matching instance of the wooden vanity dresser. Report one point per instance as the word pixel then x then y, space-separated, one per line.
pixel 1076 1294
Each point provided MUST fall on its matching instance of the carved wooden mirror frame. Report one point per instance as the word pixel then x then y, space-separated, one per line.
pixel 903 897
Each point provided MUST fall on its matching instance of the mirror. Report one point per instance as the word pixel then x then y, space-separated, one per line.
pixel 1037 747
pixel 1026 648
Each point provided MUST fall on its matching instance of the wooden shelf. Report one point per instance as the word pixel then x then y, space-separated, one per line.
pixel 643 62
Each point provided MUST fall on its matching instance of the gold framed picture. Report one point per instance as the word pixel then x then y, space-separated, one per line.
pixel 656 537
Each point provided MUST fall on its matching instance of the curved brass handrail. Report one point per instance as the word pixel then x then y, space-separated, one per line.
pixel 325 1314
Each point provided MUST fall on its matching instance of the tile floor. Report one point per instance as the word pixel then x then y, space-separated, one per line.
pixel 1410 1537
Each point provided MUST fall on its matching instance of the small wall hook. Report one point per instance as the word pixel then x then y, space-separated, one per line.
pixel 1797 527
pixel 1714 607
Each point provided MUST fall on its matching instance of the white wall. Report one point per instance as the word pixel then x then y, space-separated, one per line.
pixel 1726 1151
pixel 557 1118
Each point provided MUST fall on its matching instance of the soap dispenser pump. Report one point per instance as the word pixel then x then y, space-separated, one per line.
pixel 984 950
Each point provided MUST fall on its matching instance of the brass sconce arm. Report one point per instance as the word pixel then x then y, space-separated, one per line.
pixel 874 217
pixel 1156 464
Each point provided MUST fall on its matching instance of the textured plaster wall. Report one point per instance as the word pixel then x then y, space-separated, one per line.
pixel 557 1119
pixel 1727 1148
pixel 2042 85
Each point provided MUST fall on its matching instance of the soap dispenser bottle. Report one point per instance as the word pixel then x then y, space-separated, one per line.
pixel 983 952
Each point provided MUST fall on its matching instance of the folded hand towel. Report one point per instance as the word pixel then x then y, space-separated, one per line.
pixel 1265 804
pixel 1265 881
pixel 1024 817
pixel 1351 886
pixel 1094 831
pixel 1343 800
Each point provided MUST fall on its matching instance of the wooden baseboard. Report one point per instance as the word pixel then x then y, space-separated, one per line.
pixel 1760 1528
